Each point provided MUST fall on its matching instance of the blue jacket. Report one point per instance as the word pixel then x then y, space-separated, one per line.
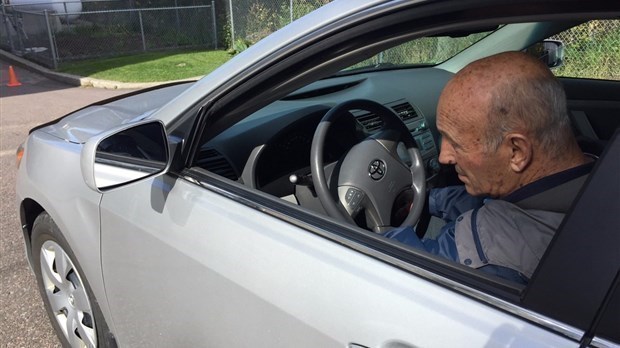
pixel 490 235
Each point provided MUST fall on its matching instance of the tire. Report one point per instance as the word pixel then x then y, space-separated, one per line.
pixel 68 298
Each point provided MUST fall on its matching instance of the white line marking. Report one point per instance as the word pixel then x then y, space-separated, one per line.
pixel 8 152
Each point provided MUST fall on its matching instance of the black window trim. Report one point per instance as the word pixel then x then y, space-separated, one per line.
pixel 607 318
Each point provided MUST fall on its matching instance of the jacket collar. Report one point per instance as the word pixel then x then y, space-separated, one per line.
pixel 555 192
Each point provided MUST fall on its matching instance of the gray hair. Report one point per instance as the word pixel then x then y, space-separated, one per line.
pixel 534 105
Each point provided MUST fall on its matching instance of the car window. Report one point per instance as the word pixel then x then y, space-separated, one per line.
pixel 422 51
pixel 591 50
pixel 269 150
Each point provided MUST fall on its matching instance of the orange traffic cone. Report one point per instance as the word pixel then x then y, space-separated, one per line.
pixel 13 82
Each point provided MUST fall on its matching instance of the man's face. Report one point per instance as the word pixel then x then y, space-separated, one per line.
pixel 461 122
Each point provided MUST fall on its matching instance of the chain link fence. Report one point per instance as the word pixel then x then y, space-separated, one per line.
pixel 252 20
pixel 26 35
pixel 75 30
pixel 591 50
pixel 49 35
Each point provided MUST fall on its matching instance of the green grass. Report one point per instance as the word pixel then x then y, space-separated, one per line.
pixel 149 67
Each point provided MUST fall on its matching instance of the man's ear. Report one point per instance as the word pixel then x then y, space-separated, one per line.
pixel 520 151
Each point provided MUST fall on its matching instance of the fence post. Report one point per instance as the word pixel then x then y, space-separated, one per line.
pixel 51 38
pixel 291 10
pixel 142 31
pixel 64 4
pixel 19 29
pixel 232 25
pixel 176 12
pixel 214 23
pixel 7 25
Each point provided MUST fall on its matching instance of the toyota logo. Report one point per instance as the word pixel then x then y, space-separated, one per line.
pixel 376 169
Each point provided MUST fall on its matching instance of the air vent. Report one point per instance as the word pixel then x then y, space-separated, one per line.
pixel 213 161
pixel 372 122
pixel 405 111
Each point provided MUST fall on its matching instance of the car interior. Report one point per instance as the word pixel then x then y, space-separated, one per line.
pixel 270 150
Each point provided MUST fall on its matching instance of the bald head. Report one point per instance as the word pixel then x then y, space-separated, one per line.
pixel 502 68
pixel 515 92
pixel 510 108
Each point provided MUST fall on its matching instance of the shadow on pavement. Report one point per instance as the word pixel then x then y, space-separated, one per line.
pixel 30 82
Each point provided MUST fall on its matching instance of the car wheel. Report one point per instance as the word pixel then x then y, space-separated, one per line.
pixel 68 299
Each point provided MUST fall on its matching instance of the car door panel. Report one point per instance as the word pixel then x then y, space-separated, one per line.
pixel 172 276
pixel 186 266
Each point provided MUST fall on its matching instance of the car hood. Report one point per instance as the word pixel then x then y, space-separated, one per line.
pixel 79 126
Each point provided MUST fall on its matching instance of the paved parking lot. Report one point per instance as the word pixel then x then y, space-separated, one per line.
pixel 23 322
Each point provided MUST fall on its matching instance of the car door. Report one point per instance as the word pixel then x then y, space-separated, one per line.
pixel 196 260
pixel 187 263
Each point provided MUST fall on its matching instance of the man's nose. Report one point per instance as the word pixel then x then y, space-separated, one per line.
pixel 446 153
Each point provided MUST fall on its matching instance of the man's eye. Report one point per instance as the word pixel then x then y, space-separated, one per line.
pixel 451 143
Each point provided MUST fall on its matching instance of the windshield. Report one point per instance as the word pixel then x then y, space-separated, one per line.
pixel 422 51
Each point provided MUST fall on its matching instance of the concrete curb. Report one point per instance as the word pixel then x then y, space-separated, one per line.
pixel 79 81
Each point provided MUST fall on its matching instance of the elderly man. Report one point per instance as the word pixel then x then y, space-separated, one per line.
pixel 505 127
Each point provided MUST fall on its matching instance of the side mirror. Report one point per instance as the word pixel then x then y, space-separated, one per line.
pixel 551 52
pixel 125 155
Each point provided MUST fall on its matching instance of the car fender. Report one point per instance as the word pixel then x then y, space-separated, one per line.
pixel 61 191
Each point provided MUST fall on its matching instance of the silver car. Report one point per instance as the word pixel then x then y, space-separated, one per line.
pixel 204 214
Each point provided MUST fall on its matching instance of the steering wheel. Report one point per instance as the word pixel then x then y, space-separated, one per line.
pixel 371 175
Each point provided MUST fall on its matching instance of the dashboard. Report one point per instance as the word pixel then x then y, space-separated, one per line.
pixel 265 149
